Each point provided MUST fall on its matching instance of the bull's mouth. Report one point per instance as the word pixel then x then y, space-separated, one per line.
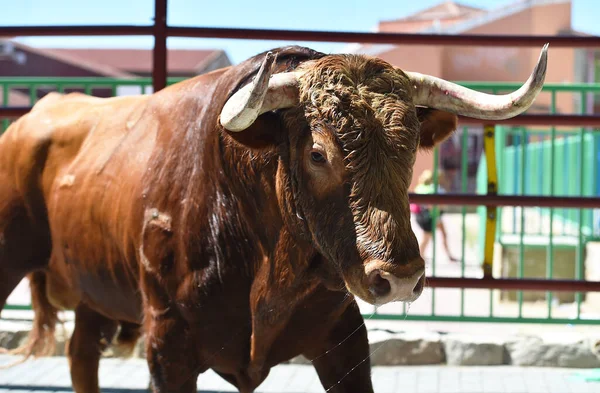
pixel 376 285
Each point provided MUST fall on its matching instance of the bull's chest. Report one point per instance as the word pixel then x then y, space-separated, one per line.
pixel 281 329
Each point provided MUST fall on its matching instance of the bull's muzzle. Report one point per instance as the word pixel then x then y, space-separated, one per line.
pixel 386 287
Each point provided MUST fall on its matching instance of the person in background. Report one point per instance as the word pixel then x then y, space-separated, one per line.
pixel 424 213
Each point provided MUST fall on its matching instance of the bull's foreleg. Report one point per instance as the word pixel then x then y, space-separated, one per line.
pixel 171 356
pixel 170 347
pixel 342 361
pixel 93 333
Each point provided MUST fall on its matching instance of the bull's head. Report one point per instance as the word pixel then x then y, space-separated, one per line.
pixel 353 127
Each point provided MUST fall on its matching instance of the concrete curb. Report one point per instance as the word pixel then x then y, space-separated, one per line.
pixel 568 350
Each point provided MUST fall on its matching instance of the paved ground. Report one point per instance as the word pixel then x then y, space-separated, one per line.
pixel 131 376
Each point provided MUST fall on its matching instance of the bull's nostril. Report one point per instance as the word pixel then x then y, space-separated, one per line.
pixel 419 287
pixel 378 285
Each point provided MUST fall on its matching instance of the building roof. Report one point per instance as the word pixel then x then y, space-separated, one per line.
pixel 445 10
pixel 127 63
pixel 95 67
pixel 495 14
pixel 471 19
pixel 140 60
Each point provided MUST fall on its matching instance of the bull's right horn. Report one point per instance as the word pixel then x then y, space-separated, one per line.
pixel 437 93
pixel 265 93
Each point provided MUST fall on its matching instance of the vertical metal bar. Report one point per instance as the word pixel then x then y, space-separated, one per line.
pixel 521 267
pixel 515 176
pixel 550 250
pixel 32 95
pixel 434 216
pixel 540 184
pixel 500 140
pixel 565 179
pixel 463 188
pixel 490 148
pixel 489 132
pixel 580 250
pixel 159 54
pixel 5 99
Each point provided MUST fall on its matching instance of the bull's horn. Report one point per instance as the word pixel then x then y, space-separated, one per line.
pixel 440 94
pixel 263 94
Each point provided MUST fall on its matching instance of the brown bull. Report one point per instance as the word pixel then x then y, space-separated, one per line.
pixel 232 216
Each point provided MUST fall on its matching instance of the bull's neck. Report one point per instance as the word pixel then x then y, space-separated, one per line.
pixel 246 185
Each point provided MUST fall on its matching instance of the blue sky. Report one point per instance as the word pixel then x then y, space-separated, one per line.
pixel 334 15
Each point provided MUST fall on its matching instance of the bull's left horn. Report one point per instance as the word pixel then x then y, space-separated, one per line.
pixel 440 94
pixel 263 94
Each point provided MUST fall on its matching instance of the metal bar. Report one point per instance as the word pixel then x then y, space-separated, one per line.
pixel 102 30
pixel 521 272
pixel 32 94
pixel 557 120
pixel 19 307
pixel 511 86
pixel 383 38
pixel 307 35
pixel 434 221
pixel 543 120
pixel 100 81
pixel 528 284
pixel 14 111
pixel 550 248
pixel 580 245
pixel 548 87
pixel 489 135
pixel 505 200
pixel 463 189
pixel 5 99
pixel 468 318
pixel 159 53
pixel 515 163
pixel 565 180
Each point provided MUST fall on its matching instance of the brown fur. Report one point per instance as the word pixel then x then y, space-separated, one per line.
pixel 230 251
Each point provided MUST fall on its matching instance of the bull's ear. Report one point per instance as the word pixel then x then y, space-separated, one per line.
pixel 436 126
pixel 264 134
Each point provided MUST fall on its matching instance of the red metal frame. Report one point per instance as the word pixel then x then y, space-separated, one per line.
pixel 160 31
pixel 306 35
pixel 159 54
pixel 514 284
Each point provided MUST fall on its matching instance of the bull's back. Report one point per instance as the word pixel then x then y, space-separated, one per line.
pixel 78 160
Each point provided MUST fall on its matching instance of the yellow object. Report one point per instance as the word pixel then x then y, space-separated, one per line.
pixel 489 140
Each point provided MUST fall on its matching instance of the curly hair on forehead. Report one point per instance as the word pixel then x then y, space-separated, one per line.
pixel 367 103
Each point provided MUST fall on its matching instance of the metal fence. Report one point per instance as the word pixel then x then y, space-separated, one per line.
pixel 528 162
pixel 480 279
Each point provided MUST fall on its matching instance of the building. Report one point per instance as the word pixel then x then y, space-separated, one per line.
pixel 19 60
pixel 472 63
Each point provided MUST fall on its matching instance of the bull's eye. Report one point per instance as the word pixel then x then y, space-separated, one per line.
pixel 317 157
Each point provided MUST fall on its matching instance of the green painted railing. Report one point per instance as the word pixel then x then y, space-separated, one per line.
pixel 549 162
pixel 571 173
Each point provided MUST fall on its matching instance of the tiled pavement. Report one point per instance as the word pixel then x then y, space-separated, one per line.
pixel 131 376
